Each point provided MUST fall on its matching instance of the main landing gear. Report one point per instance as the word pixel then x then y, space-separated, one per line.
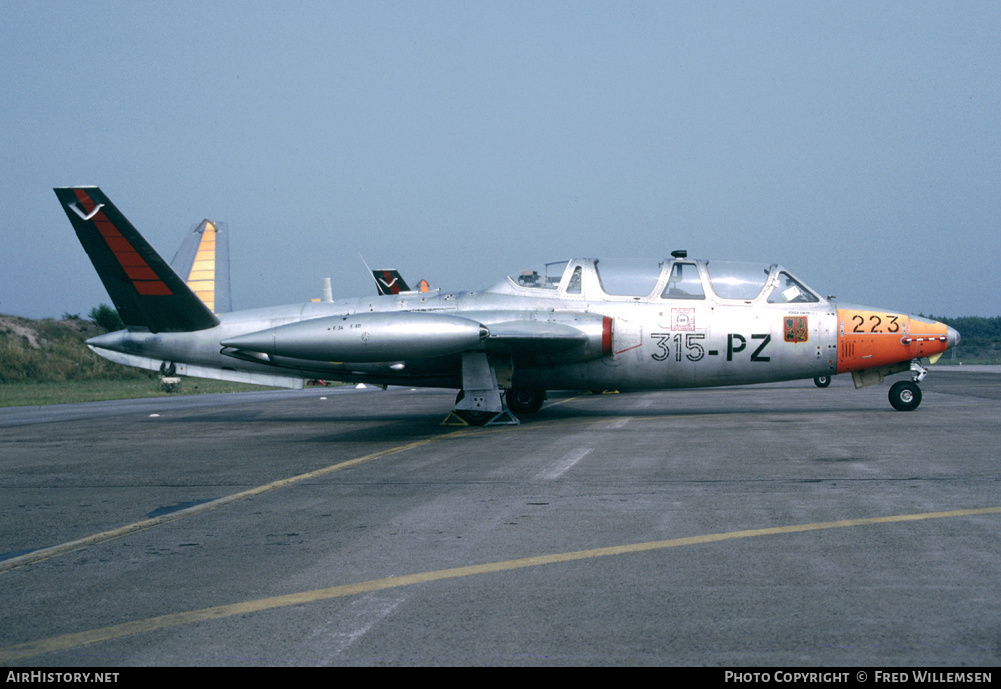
pixel 474 417
pixel 482 402
pixel 479 402
pixel 516 401
pixel 822 381
pixel 905 395
pixel 524 400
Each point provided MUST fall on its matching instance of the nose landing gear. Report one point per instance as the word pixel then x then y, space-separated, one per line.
pixel 905 395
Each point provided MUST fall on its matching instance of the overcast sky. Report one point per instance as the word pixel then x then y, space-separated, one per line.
pixel 855 143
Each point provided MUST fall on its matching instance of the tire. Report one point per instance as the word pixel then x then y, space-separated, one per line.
pixel 471 416
pixel 167 369
pixel 905 395
pixel 822 381
pixel 474 418
pixel 525 400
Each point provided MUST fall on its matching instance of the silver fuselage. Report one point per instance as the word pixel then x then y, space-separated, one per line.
pixel 655 341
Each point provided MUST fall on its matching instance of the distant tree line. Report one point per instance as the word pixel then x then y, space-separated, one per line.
pixel 107 317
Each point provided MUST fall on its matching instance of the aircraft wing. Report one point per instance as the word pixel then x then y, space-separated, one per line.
pixel 534 337
pixel 572 336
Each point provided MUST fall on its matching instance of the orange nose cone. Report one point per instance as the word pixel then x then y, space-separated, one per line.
pixel 869 338
pixel 932 337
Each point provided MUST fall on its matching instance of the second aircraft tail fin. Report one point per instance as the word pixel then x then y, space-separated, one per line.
pixel 203 264
pixel 390 282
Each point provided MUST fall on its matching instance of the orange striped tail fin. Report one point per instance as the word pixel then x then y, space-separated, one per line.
pixel 203 264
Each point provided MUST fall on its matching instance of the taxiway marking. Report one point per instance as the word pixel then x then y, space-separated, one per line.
pixel 558 468
pixel 470 431
pixel 62 549
pixel 67 641
pixel 93 539
pixel 361 616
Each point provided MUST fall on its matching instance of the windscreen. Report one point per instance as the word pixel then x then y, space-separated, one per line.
pixel 628 277
pixel 733 280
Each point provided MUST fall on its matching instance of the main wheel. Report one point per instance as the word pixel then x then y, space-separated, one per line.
pixel 905 395
pixel 474 418
pixel 471 416
pixel 822 381
pixel 525 400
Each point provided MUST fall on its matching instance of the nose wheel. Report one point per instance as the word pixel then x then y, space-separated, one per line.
pixel 905 395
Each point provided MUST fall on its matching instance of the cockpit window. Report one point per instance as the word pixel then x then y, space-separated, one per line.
pixel 547 276
pixel 573 287
pixel 789 290
pixel 684 283
pixel 732 280
pixel 626 277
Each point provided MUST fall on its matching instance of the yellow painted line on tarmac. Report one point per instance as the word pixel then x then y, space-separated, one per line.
pixel 93 539
pixel 471 431
pixel 557 403
pixel 68 641
pixel 62 549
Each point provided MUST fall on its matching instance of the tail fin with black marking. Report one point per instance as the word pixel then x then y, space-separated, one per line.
pixel 146 291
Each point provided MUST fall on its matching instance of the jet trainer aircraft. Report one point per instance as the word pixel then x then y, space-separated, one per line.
pixel 577 324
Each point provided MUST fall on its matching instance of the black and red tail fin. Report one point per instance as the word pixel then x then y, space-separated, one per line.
pixel 390 282
pixel 146 291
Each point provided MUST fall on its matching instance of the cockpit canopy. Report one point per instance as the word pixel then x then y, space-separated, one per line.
pixel 645 279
